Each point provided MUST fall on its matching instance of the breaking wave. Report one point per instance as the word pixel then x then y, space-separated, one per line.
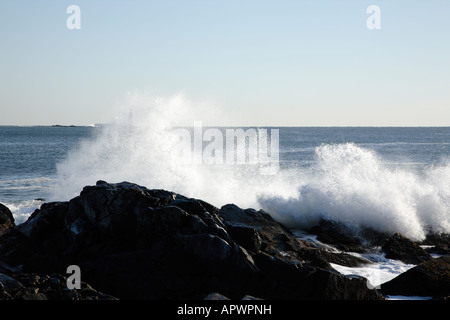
pixel 354 186
pixel 346 182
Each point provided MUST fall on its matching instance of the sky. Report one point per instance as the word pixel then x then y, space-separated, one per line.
pixel 263 63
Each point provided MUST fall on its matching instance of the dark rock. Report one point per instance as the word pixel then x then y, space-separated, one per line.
pixel 430 278
pixel 257 231
pixel 439 243
pixel 218 296
pixel 401 248
pixel 246 237
pixel 248 297
pixel 359 239
pixel 10 285
pixel 4 295
pixel 274 238
pixel 311 282
pixel 439 249
pixel 17 285
pixel 334 286
pixel 232 214
pixel 215 296
pixel 6 219
pixel 136 243
pixel 338 235
pixel 342 259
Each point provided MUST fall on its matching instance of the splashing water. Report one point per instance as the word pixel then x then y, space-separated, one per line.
pixel 352 185
pixel 346 183
pixel 145 153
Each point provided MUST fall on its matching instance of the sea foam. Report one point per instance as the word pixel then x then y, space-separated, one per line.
pixel 346 183
pixel 354 186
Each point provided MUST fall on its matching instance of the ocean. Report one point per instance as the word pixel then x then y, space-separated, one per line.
pixel 28 158
pixel 49 163
pixel 392 179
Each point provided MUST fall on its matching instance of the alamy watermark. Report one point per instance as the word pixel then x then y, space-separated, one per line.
pixel 373 22
pixel 73 22
pixel 229 146
pixel 74 280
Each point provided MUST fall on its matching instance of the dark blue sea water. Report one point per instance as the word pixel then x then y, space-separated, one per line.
pixel 391 179
pixel 385 171
pixel 396 145
pixel 28 157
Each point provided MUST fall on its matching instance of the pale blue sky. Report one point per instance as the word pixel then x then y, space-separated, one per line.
pixel 287 63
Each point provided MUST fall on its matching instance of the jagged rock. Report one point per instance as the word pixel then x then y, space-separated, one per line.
pixel 215 296
pixel 440 244
pixel 247 237
pixel 10 285
pixel 6 219
pixel 338 235
pixel 45 287
pixel 401 248
pixel 346 239
pixel 430 278
pixel 257 231
pixel 218 296
pixel 137 243
pixel 248 297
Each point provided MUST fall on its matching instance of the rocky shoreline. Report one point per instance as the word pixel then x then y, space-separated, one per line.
pixel 134 243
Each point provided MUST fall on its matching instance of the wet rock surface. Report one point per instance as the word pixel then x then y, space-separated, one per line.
pixel 135 243
pixel 430 278
pixel 401 248
pixel 6 219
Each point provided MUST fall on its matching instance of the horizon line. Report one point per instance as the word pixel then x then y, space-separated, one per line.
pixel 98 125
